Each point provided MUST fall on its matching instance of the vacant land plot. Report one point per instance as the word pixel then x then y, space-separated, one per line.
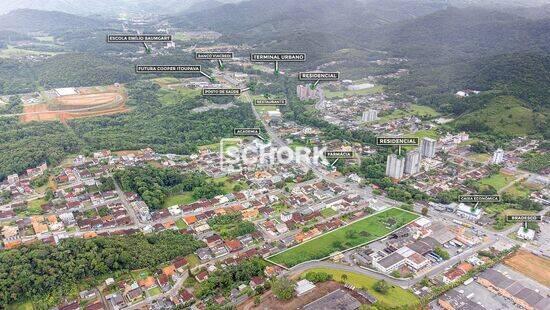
pixel 360 92
pixel 359 232
pixel 417 110
pixel 533 266
pixel 91 101
pixel 396 297
pixel 498 181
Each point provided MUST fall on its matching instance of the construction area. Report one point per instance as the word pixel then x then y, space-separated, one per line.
pixel 63 104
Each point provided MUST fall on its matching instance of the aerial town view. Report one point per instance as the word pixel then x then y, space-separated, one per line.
pixel 275 154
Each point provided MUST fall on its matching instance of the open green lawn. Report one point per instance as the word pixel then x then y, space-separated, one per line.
pixel 519 190
pixel 21 306
pixel 215 147
pixel 187 197
pixel 341 94
pixel 359 232
pixel 396 296
pixel 11 51
pixel 181 199
pixel 180 224
pixel 140 274
pixel 34 206
pixel 155 291
pixel 328 212
pixel 162 81
pixel 170 97
pixel 193 260
pixel 480 157
pixel 497 181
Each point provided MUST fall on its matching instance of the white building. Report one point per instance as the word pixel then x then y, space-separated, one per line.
pixel 427 147
pixel 369 115
pixel 303 286
pixel 395 166
pixel 526 234
pixel 412 162
pixel 468 212
pixel 389 263
pixel 498 157
pixel 13 178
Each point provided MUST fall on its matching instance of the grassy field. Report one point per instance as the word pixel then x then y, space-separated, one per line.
pixel 497 181
pixel 328 212
pixel 21 306
pixel 193 260
pixel 479 157
pixel 182 199
pixel 155 291
pixel 11 51
pixel 518 190
pixel 341 94
pixel 360 232
pixel 180 224
pixel 505 115
pixel 396 296
pixel 170 97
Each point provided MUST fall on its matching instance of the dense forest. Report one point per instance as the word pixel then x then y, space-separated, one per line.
pixel 45 273
pixel 28 145
pixel 154 185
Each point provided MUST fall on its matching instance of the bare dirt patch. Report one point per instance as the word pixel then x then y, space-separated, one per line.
pixel 533 266
pixel 90 102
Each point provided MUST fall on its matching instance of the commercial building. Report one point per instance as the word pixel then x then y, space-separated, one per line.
pixel 427 147
pixel 498 157
pixel 390 263
pixel 468 212
pixel 370 115
pixel 338 299
pixel 395 166
pixel 412 162
pixel 522 296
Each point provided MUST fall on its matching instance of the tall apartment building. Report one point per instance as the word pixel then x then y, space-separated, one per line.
pixel 304 92
pixel 498 157
pixel 370 115
pixel 427 147
pixel 395 166
pixel 412 162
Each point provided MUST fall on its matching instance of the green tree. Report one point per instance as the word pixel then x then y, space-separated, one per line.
pixel 283 288
pixel 381 287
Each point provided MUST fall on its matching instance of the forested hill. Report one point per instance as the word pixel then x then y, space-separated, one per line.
pixel 523 75
pixel 27 20
pixel 61 71
pixel 262 19
pixel 465 33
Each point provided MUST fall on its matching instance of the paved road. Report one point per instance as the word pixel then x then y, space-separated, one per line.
pixel 404 283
